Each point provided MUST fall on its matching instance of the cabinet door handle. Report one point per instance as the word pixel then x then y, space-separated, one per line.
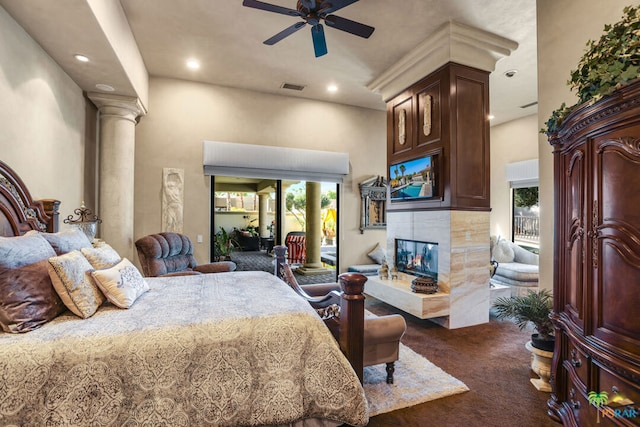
pixel 575 359
pixel 573 403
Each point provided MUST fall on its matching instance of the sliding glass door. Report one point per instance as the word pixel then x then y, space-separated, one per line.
pixel 251 215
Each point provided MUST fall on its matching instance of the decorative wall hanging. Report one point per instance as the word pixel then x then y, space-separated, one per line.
pixel 402 127
pixel 373 193
pixel 426 126
pixel 172 199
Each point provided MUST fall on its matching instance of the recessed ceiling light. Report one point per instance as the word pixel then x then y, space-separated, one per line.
pixel 510 73
pixel 193 64
pixel 332 88
pixel 81 58
pixel 104 87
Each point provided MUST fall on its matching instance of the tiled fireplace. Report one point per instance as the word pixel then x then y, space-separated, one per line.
pixel 463 255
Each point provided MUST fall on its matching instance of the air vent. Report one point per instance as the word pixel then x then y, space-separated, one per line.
pixel 529 105
pixel 292 86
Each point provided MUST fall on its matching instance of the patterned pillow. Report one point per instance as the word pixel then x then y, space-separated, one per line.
pixel 66 241
pixel 27 297
pixel 122 283
pixel 23 250
pixel 103 256
pixel 70 274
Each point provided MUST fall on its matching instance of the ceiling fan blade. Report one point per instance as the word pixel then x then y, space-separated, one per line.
pixel 319 41
pixel 284 33
pixel 309 4
pixel 349 26
pixel 270 7
pixel 330 6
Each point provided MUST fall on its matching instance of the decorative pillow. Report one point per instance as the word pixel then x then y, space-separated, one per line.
pixel 377 254
pixel 70 274
pixel 503 252
pixel 27 297
pixel 103 256
pixel 122 283
pixel 71 239
pixel 23 250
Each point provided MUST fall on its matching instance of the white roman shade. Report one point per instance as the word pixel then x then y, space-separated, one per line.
pixel 522 174
pixel 264 161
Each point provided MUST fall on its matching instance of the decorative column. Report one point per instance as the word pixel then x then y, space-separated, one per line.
pixel 313 263
pixel 118 116
pixel 263 221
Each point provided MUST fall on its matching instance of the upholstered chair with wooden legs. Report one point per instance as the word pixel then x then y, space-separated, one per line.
pixel 382 334
pixel 171 254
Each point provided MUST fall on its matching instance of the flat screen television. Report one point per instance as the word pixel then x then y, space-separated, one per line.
pixel 412 180
pixel 417 258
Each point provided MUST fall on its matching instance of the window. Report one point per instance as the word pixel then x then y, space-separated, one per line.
pixel 526 217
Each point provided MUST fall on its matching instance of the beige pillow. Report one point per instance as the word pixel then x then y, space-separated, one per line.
pixel 70 274
pixel 103 256
pixel 122 283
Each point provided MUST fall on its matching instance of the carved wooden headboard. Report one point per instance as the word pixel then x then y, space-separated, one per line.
pixel 19 213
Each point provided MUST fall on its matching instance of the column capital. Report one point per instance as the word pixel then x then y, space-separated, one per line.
pixel 126 107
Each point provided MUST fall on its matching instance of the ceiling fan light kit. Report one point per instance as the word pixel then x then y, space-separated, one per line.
pixel 312 12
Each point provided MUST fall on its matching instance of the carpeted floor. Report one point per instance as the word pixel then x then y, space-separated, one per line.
pixel 490 359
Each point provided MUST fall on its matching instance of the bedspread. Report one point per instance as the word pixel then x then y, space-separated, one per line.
pixel 235 348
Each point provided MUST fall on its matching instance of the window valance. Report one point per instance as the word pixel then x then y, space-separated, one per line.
pixel 265 161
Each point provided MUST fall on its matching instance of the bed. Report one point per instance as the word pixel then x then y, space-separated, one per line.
pixel 193 350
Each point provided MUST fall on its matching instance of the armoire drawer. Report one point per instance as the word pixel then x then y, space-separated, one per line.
pixel 579 361
pixel 622 394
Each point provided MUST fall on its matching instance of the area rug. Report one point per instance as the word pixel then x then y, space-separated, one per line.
pixel 416 380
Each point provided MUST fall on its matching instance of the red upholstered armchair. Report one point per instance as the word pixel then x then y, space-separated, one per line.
pixel 171 254
pixel 296 247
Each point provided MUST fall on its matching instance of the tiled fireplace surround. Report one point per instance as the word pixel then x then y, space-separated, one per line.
pixel 463 257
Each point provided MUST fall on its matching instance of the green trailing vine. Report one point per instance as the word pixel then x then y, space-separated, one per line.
pixel 608 64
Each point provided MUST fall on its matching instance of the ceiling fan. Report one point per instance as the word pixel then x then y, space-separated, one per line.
pixel 312 12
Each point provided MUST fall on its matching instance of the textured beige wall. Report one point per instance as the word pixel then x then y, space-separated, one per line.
pixel 563 30
pixel 42 120
pixel 183 114
pixel 513 141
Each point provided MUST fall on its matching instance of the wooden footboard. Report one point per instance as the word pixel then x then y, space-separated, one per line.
pixel 349 329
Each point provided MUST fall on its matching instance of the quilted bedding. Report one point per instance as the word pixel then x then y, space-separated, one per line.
pixel 221 349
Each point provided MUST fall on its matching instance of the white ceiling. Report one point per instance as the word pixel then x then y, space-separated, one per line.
pixel 227 39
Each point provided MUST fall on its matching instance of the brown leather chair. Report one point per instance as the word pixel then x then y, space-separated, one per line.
pixel 382 334
pixel 171 254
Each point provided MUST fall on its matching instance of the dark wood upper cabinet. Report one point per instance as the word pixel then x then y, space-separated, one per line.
pixel 444 115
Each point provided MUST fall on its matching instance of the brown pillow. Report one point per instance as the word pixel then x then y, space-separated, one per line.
pixel 27 298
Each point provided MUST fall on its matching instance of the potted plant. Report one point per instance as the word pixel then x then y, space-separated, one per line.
pixel 223 245
pixel 608 64
pixel 533 308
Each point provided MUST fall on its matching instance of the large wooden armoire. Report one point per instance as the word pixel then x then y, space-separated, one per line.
pixel 597 263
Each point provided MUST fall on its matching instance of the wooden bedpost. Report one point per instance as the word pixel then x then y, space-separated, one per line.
pixel 351 338
pixel 51 207
pixel 350 327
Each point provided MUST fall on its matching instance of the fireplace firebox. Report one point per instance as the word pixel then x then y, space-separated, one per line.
pixel 417 258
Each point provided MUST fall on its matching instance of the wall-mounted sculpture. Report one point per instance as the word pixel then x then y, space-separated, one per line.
pixel 426 119
pixel 172 199
pixel 402 127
